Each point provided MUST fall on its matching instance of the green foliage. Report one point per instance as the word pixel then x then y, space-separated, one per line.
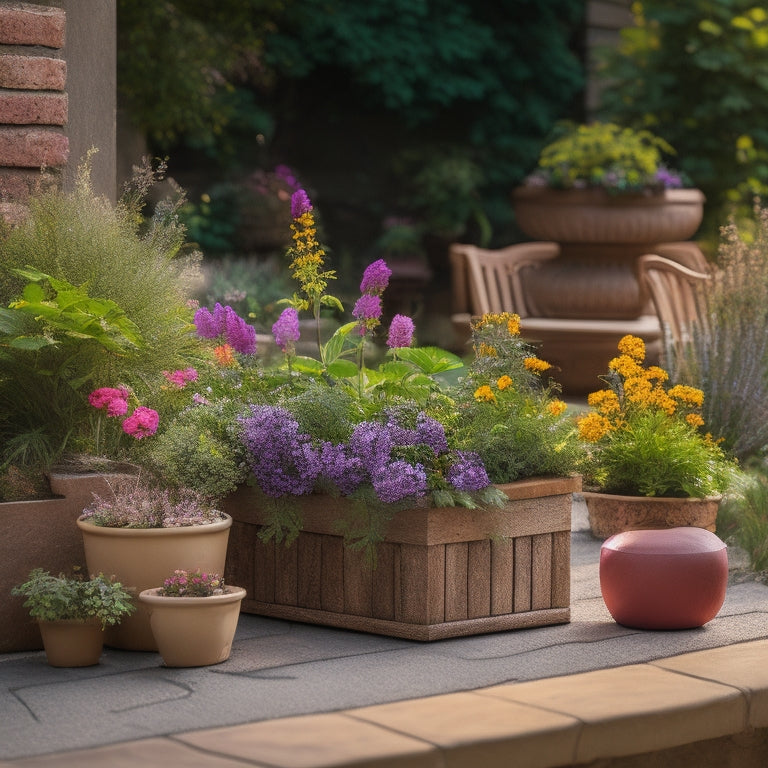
pixel 656 456
pixel 451 98
pixel 178 68
pixel 91 294
pixel 743 517
pixel 603 155
pixel 200 449
pixel 697 73
pixel 52 598
pixel 728 359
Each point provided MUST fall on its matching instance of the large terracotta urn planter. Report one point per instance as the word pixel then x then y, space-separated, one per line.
pixel 610 514
pixel 42 534
pixel 600 237
pixel 193 631
pixel 440 572
pixel 141 558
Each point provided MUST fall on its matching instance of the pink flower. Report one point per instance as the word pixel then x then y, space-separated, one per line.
pixel 141 423
pixel 376 277
pixel 114 400
pixel 180 378
pixel 400 332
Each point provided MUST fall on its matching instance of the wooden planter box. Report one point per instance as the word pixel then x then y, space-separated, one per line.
pixel 440 572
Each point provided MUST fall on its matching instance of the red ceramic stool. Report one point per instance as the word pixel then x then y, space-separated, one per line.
pixel 664 579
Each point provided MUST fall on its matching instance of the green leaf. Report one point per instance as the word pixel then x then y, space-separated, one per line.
pixel 31 343
pixel 342 369
pixel 309 365
pixel 431 360
pixel 334 347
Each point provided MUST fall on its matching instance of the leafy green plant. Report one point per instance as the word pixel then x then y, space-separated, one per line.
pixel 606 156
pixel 52 598
pixel 91 294
pixel 643 437
pixel 692 72
pixel 743 517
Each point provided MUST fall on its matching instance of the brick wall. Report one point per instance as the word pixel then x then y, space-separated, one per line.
pixel 33 103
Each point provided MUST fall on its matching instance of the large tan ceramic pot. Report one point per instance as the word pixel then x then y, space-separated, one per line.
pixel 72 642
pixel 610 514
pixel 193 631
pixel 600 237
pixel 141 558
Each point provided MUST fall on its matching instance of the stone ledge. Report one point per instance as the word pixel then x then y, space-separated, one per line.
pixel 691 709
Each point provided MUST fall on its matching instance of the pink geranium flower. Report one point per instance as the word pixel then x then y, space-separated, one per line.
pixel 141 423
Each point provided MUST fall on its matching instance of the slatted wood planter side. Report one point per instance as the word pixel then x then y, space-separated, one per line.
pixel 439 573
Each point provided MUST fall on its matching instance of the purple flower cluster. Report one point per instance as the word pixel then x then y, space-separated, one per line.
pixel 286 328
pixel 468 473
pixel 367 311
pixel 300 203
pixel 400 332
pixel 225 322
pixel 375 278
pixel 282 459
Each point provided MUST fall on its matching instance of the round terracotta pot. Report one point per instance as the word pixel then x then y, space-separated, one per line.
pixel 144 557
pixel 193 631
pixel 610 514
pixel 594 216
pixel 72 642
pixel 601 236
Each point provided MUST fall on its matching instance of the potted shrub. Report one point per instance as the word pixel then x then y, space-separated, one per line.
pixel 141 531
pixel 359 494
pixel 648 465
pixel 72 613
pixel 605 194
pixel 193 617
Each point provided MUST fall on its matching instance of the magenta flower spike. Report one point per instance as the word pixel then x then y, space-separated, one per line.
pixel 400 332
pixel 376 277
pixel 300 203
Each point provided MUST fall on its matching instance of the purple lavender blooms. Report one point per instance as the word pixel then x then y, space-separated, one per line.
pixel 467 473
pixel 375 278
pixel 400 332
pixel 668 179
pixel 225 322
pixel 286 328
pixel 300 203
pixel 282 459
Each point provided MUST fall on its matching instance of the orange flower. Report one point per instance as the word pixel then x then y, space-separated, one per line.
pixel 225 355
pixel 504 382
pixel 535 365
pixel 484 394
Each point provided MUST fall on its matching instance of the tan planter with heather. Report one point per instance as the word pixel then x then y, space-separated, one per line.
pixel 193 631
pixel 142 557
pixel 439 573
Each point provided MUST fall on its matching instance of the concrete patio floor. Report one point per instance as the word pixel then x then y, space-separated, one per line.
pixel 301 695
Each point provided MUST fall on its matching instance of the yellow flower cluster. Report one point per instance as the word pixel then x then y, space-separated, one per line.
pixel 307 264
pixel 535 365
pixel 508 319
pixel 641 388
pixel 485 394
